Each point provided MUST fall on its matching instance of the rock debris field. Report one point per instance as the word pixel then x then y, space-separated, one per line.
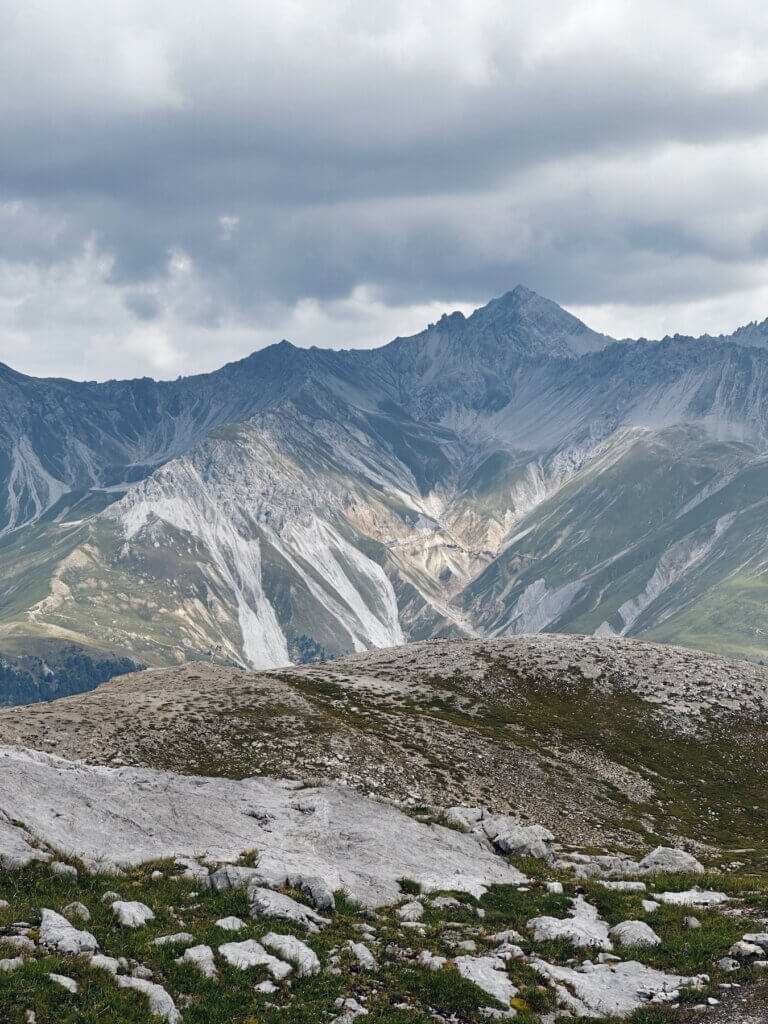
pixel 148 895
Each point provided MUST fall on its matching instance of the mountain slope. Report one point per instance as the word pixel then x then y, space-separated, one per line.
pixel 502 473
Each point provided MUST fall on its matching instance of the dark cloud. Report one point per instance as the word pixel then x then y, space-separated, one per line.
pixel 214 174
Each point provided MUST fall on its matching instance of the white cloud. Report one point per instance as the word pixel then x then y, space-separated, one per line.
pixel 179 186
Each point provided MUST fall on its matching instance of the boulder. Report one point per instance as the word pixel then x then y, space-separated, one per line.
pixel 611 990
pixel 266 903
pixel 105 963
pixel 230 924
pixel 77 910
pixel 12 963
pixel 56 933
pixel 64 871
pixel 68 983
pixel 583 928
pixel 131 913
pixel 743 950
pixel 413 911
pixel 200 957
pixel 250 953
pixel 692 898
pixel 296 952
pixel 318 889
pixel 363 955
pixel 160 1003
pixel 509 836
pixel 177 939
pixel 231 876
pixel 488 973
pixel 634 933
pixel 666 860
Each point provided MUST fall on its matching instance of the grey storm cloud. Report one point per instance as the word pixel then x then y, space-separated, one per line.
pixel 179 186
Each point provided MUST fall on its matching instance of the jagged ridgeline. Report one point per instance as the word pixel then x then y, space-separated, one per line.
pixel 505 473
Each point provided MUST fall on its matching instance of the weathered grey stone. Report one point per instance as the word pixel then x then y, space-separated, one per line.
pixel 611 989
pixel 68 983
pixel 624 886
pixel 509 836
pixel 58 934
pixel 200 957
pixel 21 943
pixel 232 876
pixel 266 903
pixel 666 860
pixel 431 961
pixel 489 974
pixel 177 939
pixel 250 953
pixel 318 889
pixel 62 870
pixel 160 1002
pixel 743 950
pixel 413 911
pixel 131 913
pixel 16 849
pixel 692 898
pixel 125 816
pixel 634 933
pixel 230 924
pixel 363 955
pixel 77 910
pixel 296 952
pixel 105 963
pixel 11 963
pixel 582 928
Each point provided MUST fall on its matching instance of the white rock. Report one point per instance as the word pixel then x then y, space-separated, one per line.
pixel 68 983
pixel 760 938
pixel 649 906
pixel 623 886
pixel 200 957
pixel 131 913
pixel 105 963
pixel 266 903
pixel 611 989
pixel 556 888
pixel 509 836
pixel 665 860
pixel 413 911
pixel 489 974
pixel 77 910
pixel 232 876
pixel 296 952
pixel 692 898
pixel 431 961
pixel 109 897
pixel 744 950
pixel 319 890
pixel 250 953
pixel 634 933
pixel 64 870
pixel 509 935
pixel 177 939
pixel 460 883
pixel 58 934
pixel 160 1003
pixel 127 816
pixel 17 849
pixel 21 943
pixel 583 928
pixel 267 988
pixel 4 904
pixel 363 955
pixel 230 924
pixel 12 963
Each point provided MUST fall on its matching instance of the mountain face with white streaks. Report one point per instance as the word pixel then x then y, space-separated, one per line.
pixel 503 473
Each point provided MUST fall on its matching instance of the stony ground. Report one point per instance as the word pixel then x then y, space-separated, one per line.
pixel 442 957
pixel 596 738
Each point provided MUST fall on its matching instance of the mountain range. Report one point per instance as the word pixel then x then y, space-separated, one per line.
pixel 508 472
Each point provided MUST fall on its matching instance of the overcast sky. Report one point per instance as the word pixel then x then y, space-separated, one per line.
pixel 181 183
